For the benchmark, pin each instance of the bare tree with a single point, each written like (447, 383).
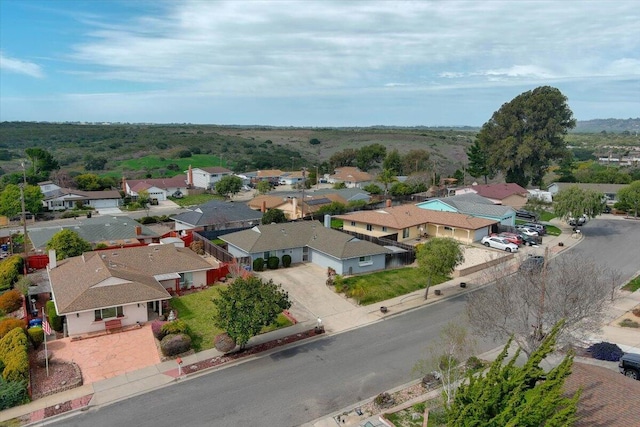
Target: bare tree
(446, 359)
(527, 305)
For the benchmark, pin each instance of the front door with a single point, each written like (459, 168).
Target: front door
(305, 254)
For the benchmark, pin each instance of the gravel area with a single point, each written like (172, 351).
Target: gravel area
(62, 376)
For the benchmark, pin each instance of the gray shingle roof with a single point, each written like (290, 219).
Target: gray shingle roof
(474, 204)
(290, 235)
(217, 212)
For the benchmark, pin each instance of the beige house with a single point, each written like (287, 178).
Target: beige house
(408, 223)
(121, 286)
(293, 206)
(507, 194)
(351, 176)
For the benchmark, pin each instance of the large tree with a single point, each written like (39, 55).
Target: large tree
(575, 202)
(415, 161)
(370, 156)
(514, 396)
(478, 166)
(229, 185)
(438, 257)
(274, 216)
(630, 196)
(42, 162)
(386, 177)
(393, 161)
(67, 243)
(10, 202)
(248, 305)
(526, 306)
(526, 134)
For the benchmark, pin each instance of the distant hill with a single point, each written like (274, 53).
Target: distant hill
(608, 125)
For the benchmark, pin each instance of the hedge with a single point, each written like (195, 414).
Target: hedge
(258, 264)
(10, 270)
(273, 262)
(54, 320)
(175, 327)
(12, 393)
(11, 301)
(13, 353)
(10, 323)
(286, 260)
(36, 336)
(175, 344)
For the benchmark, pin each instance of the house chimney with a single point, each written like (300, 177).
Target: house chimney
(388, 204)
(138, 230)
(190, 176)
(52, 259)
(124, 184)
(263, 208)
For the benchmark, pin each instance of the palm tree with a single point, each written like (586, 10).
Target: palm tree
(386, 177)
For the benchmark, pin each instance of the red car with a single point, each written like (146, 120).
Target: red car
(511, 238)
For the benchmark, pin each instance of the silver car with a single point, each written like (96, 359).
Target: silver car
(499, 243)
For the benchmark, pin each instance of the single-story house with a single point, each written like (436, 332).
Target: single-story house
(217, 215)
(474, 205)
(308, 241)
(158, 188)
(113, 231)
(508, 194)
(544, 196)
(610, 191)
(291, 178)
(57, 198)
(292, 204)
(121, 285)
(206, 177)
(349, 194)
(406, 223)
(351, 176)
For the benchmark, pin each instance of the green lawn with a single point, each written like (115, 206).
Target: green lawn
(151, 163)
(547, 216)
(384, 285)
(633, 285)
(552, 230)
(197, 310)
(195, 199)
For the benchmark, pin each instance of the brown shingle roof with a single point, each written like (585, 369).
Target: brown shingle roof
(351, 174)
(269, 173)
(499, 191)
(403, 216)
(117, 277)
(163, 183)
(608, 398)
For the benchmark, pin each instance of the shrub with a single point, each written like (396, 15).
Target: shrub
(175, 344)
(12, 393)
(224, 343)
(605, 351)
(22, 285)
(628, 323)
(70, 214)
(384, 400)
(13, 353)
(473, 364)
(258, 264)
(10, 301)
(42, 356)
(9, 324)
(273, 262)
(147, 220)
(430, 380)
(10, 270)
(636, 311)
(286, 260)
(197, 247)
(54, 320)
(175, 327)
(156, 329)
(36, 336)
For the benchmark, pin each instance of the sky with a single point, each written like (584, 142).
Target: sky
(313, 63)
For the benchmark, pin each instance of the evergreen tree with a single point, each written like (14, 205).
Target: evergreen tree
(508, 395)
(478, 162)
(393, 161)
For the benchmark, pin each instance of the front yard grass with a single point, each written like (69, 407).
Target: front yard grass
(197, 310)
(633, 285)
(195, 199)
(383, 285)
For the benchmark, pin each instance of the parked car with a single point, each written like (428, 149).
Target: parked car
(526, 230)
(629, 365)
(499, 243)
(541, 229)
(530, 240)
(521, 213)
(510, 237)
(532, 264)
(579, 221)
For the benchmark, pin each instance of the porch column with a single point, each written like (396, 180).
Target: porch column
(159, 307)
(437, 230)
(468, 237)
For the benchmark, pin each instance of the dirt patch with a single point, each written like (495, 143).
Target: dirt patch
(62, 376)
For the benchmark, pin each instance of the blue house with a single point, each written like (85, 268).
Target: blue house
(474, 205)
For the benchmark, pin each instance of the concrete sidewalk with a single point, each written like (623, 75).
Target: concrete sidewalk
(137, 382)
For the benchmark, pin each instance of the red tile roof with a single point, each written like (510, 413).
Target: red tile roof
(163, 183)
(351, 174)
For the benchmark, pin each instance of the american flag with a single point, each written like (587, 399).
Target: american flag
(46, 327)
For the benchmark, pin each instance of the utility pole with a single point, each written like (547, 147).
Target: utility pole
(317, 177)
(539, 331)
(304, 183)
(24, 218)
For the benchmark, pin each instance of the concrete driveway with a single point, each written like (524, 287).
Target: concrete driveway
(310, 296)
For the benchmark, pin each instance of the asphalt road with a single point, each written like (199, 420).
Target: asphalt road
(301, 384)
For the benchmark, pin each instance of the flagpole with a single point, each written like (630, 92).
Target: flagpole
(46, 352)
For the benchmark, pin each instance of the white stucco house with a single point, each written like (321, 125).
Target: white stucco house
(121, 286)
(206, 177)
(57, 198)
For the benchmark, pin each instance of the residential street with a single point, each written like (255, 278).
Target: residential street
(300, 384)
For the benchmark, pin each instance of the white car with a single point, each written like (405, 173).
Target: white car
(499, 243)
(528, 231)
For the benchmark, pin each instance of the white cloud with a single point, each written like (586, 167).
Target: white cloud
(18, 66)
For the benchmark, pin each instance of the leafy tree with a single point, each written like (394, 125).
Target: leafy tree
(229, 185)
(92, 163)
(67, 243)
(415, 161)
(369, 155)
(248, 305)
(314, 141)
(526, 134)
(143, 199)
(345, 157)
(333, 208)
(508, 395)
(10, 201)
(386, 177)
(263, 187)
(274, 216)
(372, 188)
(438, 257)
(575, 201)
(339, 185)
(565, 169)
(88, 182)
(393, 161)
(478, 166)
(400, 189)
(41, 161)
(630, 196)
(458, 175)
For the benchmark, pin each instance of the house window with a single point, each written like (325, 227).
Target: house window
(448, 228)
(353, 223)
(365, 260)
(107, 313)
(405, 233)
(186, 279)
(270, 254)
(384, 228)
(369, 227)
